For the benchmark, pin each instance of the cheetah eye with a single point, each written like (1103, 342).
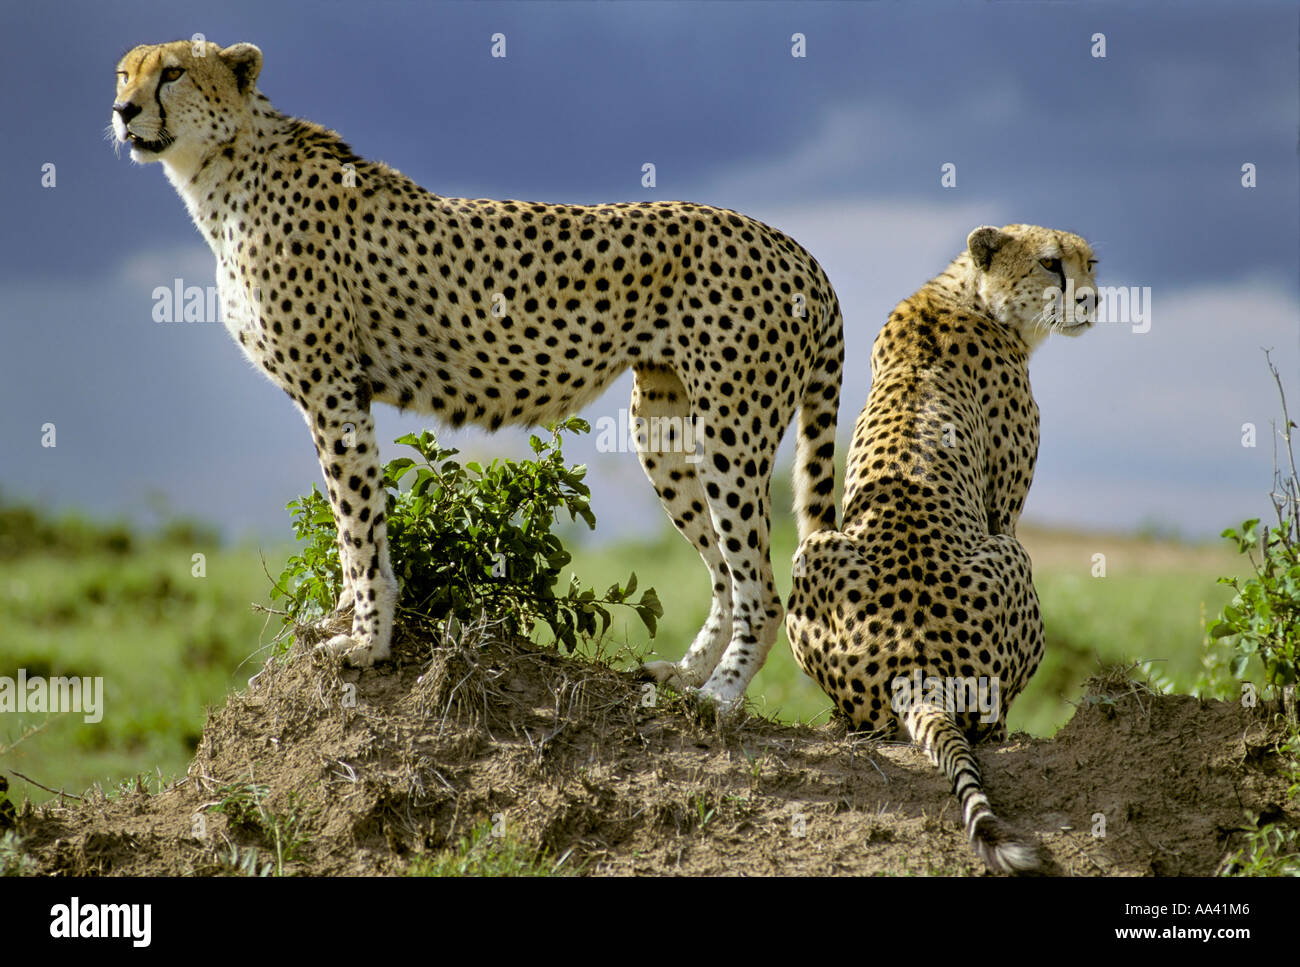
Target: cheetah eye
(170, 74)
(1052, 265)
(1092, 264)
(121, 77)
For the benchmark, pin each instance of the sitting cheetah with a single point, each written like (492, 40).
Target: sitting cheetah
(347, 283)
(923, 604)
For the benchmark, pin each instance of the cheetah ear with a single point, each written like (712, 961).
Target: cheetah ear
(983, 243)
(245, 62)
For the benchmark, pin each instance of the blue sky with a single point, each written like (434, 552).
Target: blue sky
(1141, 152)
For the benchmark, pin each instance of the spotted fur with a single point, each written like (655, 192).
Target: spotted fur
(346, 283)
(926, 574)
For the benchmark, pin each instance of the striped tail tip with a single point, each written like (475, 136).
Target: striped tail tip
(1001, 850)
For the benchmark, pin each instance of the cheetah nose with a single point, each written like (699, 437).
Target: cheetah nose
(127, 111)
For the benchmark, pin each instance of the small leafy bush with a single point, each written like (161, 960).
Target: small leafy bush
(1263, 618)
(468, 541)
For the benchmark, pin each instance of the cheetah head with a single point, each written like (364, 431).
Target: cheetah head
(1034, 280)
(176, 102)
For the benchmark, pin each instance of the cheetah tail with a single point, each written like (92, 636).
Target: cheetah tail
(933, 728)
(814, 468)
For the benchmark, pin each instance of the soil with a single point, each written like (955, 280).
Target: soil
(586, 770)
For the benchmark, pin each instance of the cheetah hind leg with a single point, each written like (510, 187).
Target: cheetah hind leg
(660, 399)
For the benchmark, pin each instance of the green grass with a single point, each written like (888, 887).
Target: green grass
(166, 643)
(13, 861)
(487, 853)
(284, 833)
(1090, 622)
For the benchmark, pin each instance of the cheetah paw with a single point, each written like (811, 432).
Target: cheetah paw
(357, 654)
(668, 673)
(725, 703)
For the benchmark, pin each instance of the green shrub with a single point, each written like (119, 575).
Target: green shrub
(1263, 618)
(469, 541)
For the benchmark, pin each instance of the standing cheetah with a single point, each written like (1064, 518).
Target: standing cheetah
(921, 611)
(347, 283)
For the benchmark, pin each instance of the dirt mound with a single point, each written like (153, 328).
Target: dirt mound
(479, 748)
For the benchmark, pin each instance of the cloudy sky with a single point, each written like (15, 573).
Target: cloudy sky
(1141, 151)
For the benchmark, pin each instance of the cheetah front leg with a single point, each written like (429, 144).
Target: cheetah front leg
(349, 456)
